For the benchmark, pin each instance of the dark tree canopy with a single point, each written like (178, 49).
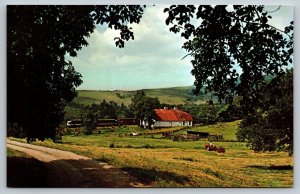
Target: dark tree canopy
(39, 79)
(270, 127)
(230, 37)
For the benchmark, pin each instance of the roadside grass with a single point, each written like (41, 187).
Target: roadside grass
(14, 153)
(162, 162)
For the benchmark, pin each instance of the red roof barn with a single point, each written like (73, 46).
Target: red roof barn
(172, 115)
(171, 118)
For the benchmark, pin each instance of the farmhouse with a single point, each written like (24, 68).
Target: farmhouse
(171, 118)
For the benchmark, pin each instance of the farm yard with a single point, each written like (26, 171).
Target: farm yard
(161, 162)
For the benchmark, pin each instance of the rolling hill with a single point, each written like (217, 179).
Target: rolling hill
(174, 96)
(171, 96)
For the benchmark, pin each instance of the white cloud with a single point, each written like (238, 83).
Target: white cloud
(281, 17)
(152, 59)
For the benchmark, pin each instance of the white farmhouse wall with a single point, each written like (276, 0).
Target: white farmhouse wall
(172, 123)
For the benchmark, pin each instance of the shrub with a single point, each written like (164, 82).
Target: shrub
(129, 146)
(112, 145)
(147, 146)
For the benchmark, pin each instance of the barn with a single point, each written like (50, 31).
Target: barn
(171, 118)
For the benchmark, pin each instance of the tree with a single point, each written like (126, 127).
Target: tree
(40, 82)
(270, 127)
(149, 104)
(240, 36)
(232, 111)
(124, 111)
(91, 114)
(230, 36)
(143, 107)
(137, 104)
(107, 110)
(90, 117)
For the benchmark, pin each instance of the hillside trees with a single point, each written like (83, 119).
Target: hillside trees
(39, 79)
(203, 113)
(231, 37)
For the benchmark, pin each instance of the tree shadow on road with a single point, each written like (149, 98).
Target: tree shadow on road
(25, 172)
(148, 176)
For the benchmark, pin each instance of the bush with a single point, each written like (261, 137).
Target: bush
(112, 145)
(87, 131)
(68, 131)
(129, 146)
(147, 146)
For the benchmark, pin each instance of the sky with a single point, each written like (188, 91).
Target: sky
(152, 60)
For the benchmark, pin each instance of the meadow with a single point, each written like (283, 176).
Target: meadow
(161, 162)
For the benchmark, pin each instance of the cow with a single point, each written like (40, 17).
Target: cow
(209, 147)
(134, 134)
(206, 146)
(221, 150)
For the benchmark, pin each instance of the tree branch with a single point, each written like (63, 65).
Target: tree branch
(270, 25)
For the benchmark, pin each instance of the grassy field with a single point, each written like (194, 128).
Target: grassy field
(161, 162)
(175, 95)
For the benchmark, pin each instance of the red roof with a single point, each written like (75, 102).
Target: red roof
(172, 115)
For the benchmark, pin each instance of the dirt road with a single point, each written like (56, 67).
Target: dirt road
(66, 169)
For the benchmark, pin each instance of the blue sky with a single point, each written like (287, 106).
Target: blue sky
(152, 60)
